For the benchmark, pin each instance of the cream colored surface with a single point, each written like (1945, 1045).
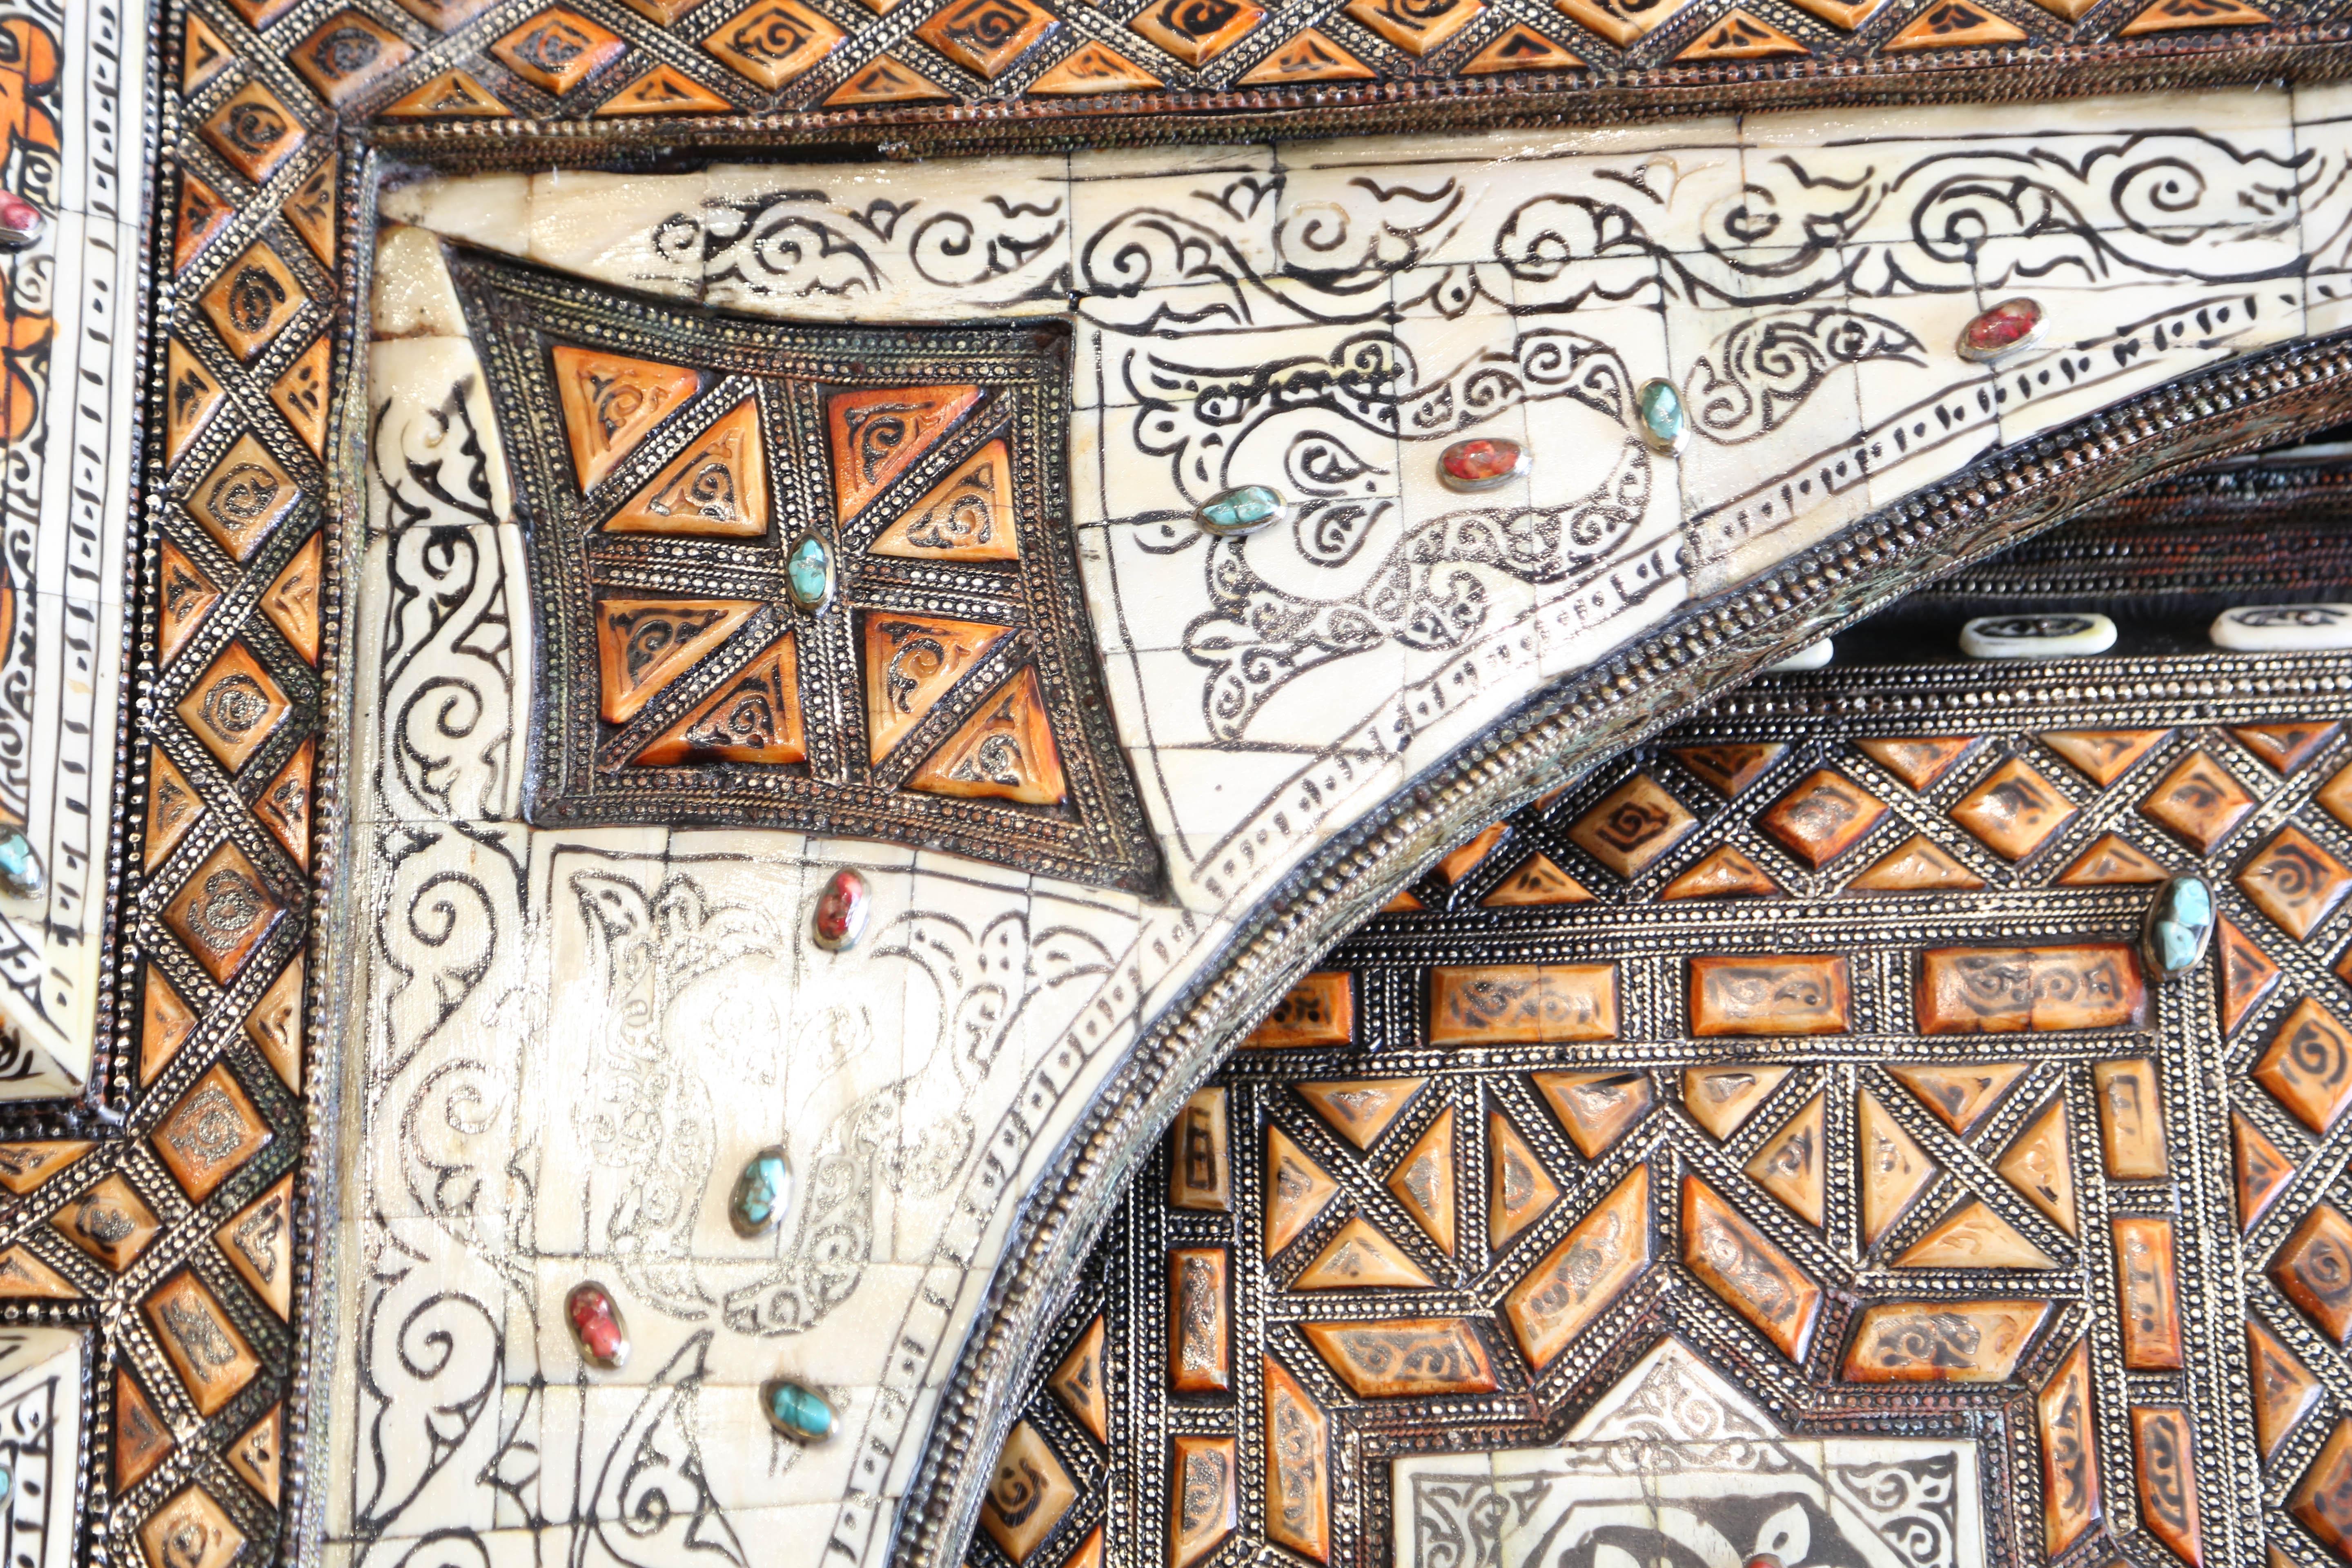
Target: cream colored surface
(569, 1041)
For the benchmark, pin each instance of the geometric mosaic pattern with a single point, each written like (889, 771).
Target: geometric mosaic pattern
(1828, 1056)
(177, 1227)
(662, 458)
(615, 65)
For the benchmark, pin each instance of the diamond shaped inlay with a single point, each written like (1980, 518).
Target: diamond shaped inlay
(986, 35)
(1632, 826)
(224, 912)
(212, 1131)
(251, 303)
(775, 43)
(1196, 31)
(558, 50)
(2199, 801)
(2315, 1269)
(254, 131)
(1822, 817)
(234, 707)
(2309, 1066)
(2295, 881)
(2013, 811)
(243, 497)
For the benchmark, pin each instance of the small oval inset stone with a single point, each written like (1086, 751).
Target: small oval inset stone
(1481, 463)
(1244, 509)
(2179, 924)
(2004, 329)
(841, 911)
(2283, 628)
(800, 1413)
(1812, 656)
(2037, 636)
(596, 1326)
(764, 1190)
(1663, 426)
(20, 868)
(21, 223)
(808, 573)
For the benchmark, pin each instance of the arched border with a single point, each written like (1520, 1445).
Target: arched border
(2250, 403)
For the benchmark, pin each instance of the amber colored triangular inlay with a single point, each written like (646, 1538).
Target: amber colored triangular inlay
(753, 717)
(967, 516)
(1958, 1095)
(1918, 760)
(643, 644)
(1973, 1236)
(312, 210)
(2171, 15)
(275, 1024)
(2247, 975)
(1537, 881)
(452, 95)
(665, 89)
(2039, 1165)
(877, 435)
(1519, 1189)
(2286, 747)
(911, 661)
(22, 1275)
(140, 1438)
(1361, 1109)
(172, 807)
(610, 402)
(202, 215)
(2262, 1168)
(1093, 67)
(1005, 751)
(1742, 36)
(1790, 1165)
(717, 485)
(1308, 57)
(300, 393)
(1296, 1191)
(1078, 1382)
(2283, 1390)
(1358, 1255)
(1720, 1098)
(1730, 768)
(1402, 904)
(166, 1022)
(885, 81)
(1917, 865)
(203, 56)
(1520, 49)
(283, 805)
(1953, 24)
(292, 602)
(2102, 755)
(1728, 873)
(190, 395)
(1423, 1182)
(1596, 1108)
(2111, 861)
(182, 600)
(1464, 859)
(1892, 1172)
(256, 1455)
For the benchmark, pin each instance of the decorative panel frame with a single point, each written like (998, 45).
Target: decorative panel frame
(217, 1077)
(578, 777)
(2187, 1268)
